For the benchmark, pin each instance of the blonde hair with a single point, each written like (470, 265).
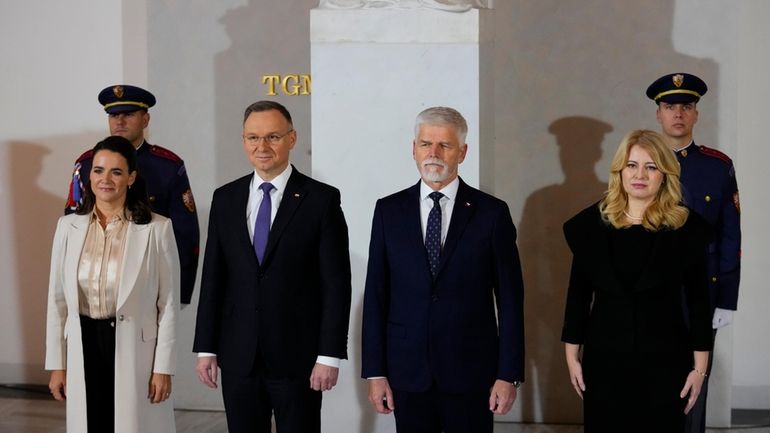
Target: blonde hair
(666, 210)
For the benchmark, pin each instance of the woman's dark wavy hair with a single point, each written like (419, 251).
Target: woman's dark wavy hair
(137, 207)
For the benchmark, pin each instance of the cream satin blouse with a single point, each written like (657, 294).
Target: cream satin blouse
(100, 267)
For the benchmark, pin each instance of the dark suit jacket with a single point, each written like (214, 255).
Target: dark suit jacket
(604, 314)
(296, 305)
(417, 329)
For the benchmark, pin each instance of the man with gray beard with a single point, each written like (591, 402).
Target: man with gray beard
(443, 333)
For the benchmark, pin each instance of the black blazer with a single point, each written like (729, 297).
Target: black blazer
(295, 306)
(463, 329)
(604, 314)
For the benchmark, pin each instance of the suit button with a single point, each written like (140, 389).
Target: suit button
(713, 279)
(435, 298)
(120, 318)
(708, 198)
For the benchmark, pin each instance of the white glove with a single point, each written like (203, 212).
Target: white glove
(722, 318)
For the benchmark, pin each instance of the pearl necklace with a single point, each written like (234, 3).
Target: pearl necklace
(633, 218)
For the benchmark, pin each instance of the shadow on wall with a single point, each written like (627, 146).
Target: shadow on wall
(34, 212)
(267, 38)
(546, 261)
(576, 73)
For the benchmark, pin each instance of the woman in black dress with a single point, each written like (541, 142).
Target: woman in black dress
(637, 301)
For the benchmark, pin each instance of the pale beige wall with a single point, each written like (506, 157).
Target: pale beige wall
(751, 380)
(55, 57)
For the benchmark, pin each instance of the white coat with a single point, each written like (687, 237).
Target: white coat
(145, 334)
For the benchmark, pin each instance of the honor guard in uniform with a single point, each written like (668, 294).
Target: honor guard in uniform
(710, 189)
(163, 171)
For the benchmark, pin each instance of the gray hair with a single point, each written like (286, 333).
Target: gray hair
(442, 116)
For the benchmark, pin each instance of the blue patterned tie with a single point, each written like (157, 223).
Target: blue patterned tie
(433, 233)
(262, 226)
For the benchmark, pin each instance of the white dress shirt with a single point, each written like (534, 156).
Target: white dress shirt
(256, 195)
(447, 204)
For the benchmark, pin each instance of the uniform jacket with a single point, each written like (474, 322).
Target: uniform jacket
(145, 335)
(710, 189)
(605, 315)
(293, 307)
(417, 329)
(170, 195)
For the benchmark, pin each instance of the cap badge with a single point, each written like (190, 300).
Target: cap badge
(678, 79)
(118, 91)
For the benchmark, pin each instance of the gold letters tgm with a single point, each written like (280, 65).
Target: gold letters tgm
(290, 84)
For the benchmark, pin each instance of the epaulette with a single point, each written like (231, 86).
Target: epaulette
(164, 153)
(88, 154)
(715, 154)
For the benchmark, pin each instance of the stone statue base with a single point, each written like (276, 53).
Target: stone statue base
(446, 5)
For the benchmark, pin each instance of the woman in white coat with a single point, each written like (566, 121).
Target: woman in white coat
(112, 303)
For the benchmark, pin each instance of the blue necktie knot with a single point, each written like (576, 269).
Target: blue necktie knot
(266, 187)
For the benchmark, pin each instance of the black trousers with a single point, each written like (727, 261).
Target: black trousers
(436, 411)
(696, 419)
(250, 402)
(99, 365)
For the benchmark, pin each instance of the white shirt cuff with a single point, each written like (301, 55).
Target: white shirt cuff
(329, 361)
(325, 360)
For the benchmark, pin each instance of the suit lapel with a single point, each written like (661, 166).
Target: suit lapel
(462, 212)
(76, 240)
(137, 241)
(292, 197)
(413, 227)
(237, 215)
(603, 270)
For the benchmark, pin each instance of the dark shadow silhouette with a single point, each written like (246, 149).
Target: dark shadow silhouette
(546, 262)
(34, 213)
(267, 38)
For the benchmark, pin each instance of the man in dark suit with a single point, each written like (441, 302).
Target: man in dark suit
(443, 335)
(710, 189)
(275, 291)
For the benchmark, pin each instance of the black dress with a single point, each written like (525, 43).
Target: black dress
(638, 304)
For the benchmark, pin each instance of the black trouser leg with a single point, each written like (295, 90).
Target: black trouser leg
(99, 365)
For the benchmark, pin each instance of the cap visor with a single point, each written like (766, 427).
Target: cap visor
(115, 109)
